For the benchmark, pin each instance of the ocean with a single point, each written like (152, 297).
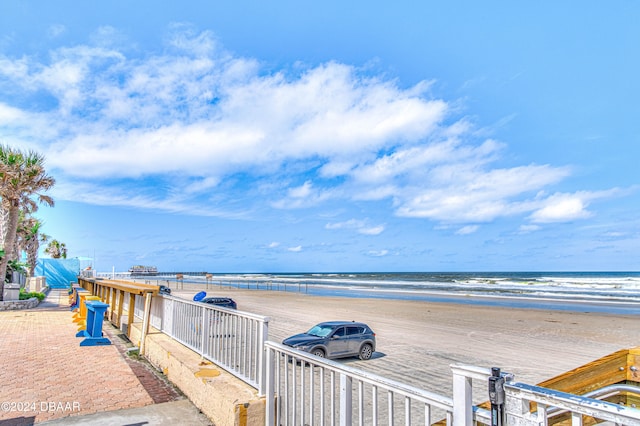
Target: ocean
(612, 292)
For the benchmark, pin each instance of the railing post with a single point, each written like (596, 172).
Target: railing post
(145, 321)
(167, 321)
(346, 395)
(205, 330)
(269, 413)
(262, 338)
(462, 398)
(120, 307)
(131, 311)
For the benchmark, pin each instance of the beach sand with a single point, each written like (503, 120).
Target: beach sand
(418, 341)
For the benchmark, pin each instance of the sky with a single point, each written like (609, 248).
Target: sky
(333, 136)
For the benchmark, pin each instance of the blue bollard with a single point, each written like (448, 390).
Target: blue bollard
(93, 333)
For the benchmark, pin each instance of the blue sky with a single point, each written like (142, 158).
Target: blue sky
(325, 136)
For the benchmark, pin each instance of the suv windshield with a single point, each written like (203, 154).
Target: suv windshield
(320, 331)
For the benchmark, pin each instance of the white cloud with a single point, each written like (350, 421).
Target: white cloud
(374, 230)
(349, 224)
(212, 107)
(361, 226)
(10, 115)
(302, 196)
(295, 249)
(201, 121)
(302, 191)
(89, 193)
(273, 244)
(465, 230)
(525, 229)
(378, 253)
(565, 207)
(561, 208)
(202, 185)
(469, 194)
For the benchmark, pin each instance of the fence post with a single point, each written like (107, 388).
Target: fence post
(145, 320)
(262, 338)
(346, 395)
(205, 330)
(167, 316)
(462, 398)
(270, 387)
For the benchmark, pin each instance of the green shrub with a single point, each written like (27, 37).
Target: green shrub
(24, 295)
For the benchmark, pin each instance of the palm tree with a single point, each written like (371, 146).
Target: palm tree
(56, 249)
(4, 219)
(22, 234)
(30, 237)
(22, 176)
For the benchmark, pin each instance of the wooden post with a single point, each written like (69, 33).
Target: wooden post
(208, 278)
(145, 321)
(120, 303)
(113, 303)
(132, 307)
(180, 277)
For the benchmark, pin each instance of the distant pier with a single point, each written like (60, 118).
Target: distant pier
(168, 274)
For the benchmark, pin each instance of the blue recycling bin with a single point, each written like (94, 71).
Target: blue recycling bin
(93, 333)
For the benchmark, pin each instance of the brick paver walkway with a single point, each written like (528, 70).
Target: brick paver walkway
(46, 375)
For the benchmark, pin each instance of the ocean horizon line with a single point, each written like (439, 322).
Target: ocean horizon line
(501, 272)
(613, 292)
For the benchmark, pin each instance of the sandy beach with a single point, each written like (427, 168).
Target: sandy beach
(418, 341)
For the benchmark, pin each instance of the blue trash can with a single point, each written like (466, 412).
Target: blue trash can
(93, 333)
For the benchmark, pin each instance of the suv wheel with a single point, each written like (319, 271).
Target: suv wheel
(318, 352)
(366, 351)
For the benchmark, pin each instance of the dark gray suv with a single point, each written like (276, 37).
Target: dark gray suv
(336, 339)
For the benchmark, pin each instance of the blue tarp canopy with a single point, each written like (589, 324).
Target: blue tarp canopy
(60, 273)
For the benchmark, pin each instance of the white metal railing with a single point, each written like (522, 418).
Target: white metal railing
(88, 273)
(231, 339)
(551, 403)
(304, 389)
(138, 308)
(156, 317)
(464, 412)
(520, 400)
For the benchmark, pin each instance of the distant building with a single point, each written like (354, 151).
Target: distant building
(143, 270)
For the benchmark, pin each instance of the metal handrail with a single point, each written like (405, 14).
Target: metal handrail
(601, 393)
(215, 307)
(231, 339)
(347, 375)
(576, 404)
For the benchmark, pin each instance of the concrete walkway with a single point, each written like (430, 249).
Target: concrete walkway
(47, 378)
(169, 413)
